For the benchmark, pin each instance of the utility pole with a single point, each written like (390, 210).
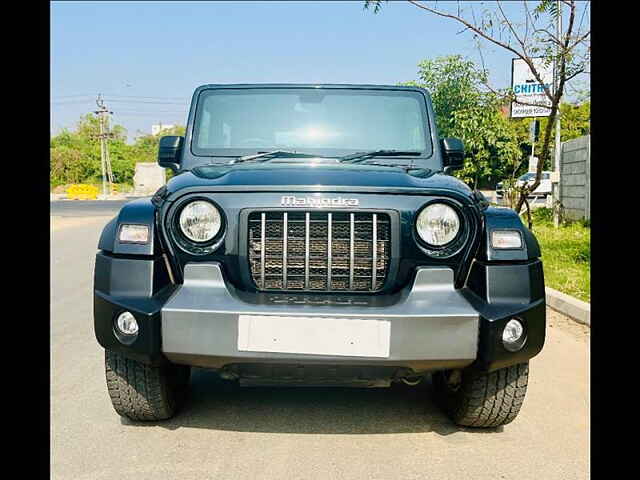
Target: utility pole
(534, 130)
(558, 145)
(105, 162)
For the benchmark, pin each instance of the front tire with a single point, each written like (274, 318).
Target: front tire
(144, 392)
(476, 399)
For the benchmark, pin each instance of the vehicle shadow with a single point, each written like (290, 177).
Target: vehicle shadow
(218, 405)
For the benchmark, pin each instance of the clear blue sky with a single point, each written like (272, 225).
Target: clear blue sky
(166, 49)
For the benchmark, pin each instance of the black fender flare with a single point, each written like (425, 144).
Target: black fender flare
(137, 212)
(507, 219)
(131, 277)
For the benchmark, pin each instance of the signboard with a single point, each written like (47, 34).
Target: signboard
(533, 164)
(527, 89)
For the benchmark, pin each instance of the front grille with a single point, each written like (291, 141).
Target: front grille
(319, 251)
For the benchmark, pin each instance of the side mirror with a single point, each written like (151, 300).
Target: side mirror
(169, 152)
(453, 153)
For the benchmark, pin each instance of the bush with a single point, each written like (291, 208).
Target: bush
(542, 214)
(566, 254)
(75, 155)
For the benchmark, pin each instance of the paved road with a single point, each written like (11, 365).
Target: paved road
(86, 208)
(320, 433)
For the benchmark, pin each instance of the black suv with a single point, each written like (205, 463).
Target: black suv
(312, 235)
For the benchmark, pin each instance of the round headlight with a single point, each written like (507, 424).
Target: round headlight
(438, 224)
(200, 221)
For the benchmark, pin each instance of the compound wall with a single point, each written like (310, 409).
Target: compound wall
(575, 188)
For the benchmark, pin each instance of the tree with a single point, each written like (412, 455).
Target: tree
(146, 145)
(466, 111)
(530, 35)
(75, 155)
(575, 120)
(453, 83)
(145, 148)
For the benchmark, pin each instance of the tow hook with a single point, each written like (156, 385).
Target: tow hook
(227, 374)
(454, 380)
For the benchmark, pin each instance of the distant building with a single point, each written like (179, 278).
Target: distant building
(156, 129)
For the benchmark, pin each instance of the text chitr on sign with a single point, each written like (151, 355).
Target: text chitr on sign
(528, 89)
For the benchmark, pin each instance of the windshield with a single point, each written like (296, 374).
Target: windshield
(527, 176)
(328, 122)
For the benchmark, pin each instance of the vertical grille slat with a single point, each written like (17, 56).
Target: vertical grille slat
(374, 261)
(319, 251)
(351, 249)
(306, 250)
(262, 247)
(285, 229)
(329, 252)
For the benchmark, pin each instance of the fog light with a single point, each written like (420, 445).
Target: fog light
(513, 335)
(126, 324)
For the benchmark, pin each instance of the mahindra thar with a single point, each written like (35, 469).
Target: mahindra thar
(314, 235)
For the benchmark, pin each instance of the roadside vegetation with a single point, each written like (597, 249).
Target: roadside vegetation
(497, 147)
(75, 154)
(566, 254)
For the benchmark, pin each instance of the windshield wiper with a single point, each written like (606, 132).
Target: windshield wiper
(362, 156)
(264, 156)
(406, 168)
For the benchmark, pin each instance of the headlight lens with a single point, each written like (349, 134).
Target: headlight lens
(200, 221)
(438, 224)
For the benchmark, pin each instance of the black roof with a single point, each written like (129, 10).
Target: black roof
(309, 85)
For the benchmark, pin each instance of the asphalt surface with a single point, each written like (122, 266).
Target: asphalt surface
(86, 208)
(289, 433)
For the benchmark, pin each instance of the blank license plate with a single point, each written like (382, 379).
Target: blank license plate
(314, 335)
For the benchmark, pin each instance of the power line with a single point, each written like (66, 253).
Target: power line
(145, 112)
(151, 114)
(157, 98)
(159, 108)
(146, 102)
(74, 102)
(73, 96)
(69, 102)
(60, 97)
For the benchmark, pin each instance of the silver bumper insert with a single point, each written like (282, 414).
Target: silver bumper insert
(429, 320)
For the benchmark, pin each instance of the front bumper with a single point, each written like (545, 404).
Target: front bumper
(433, 326)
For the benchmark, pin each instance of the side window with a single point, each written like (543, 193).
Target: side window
(545, 176)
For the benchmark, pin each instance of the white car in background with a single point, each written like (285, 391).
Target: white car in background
(543, 189)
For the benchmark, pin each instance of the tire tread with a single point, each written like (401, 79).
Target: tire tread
(488, 399)
(141, 392)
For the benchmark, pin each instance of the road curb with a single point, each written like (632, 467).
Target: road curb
(571, 307)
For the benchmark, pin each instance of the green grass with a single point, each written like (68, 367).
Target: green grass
(566, 254)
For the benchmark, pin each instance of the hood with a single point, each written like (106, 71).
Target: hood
(290, 177)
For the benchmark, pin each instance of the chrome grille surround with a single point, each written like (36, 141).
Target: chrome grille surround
(320, 251)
